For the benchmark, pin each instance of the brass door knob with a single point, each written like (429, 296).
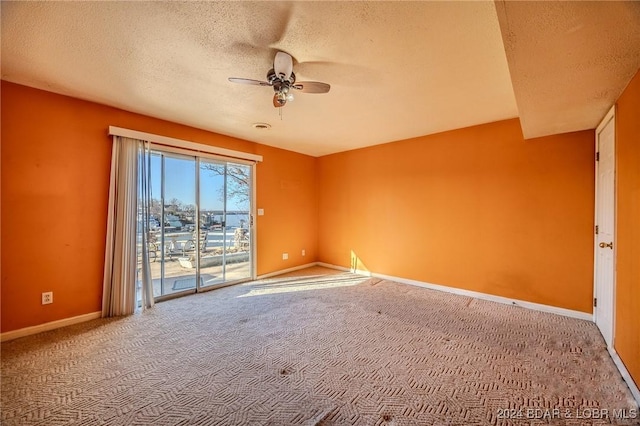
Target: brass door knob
(604, 245)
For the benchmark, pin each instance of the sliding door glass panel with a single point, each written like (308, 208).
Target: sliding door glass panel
(156, 254)
(180, 237)
(225, 206)
(238, 240)
(212, 208)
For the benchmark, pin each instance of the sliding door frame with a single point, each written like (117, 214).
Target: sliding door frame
(197, 156)
(196, 149)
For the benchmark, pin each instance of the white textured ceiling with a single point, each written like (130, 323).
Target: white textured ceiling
(569, 61)
(397, 69)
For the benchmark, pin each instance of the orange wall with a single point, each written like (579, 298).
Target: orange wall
(476, 208)
(627, 335)
(55, 178)
(289, 224)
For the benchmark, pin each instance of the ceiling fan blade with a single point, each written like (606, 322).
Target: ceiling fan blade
(266, 26)
(283, 65)
(311, 87)
(248, 81)
(277, 102)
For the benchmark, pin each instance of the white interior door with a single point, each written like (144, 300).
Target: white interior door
(605, 228)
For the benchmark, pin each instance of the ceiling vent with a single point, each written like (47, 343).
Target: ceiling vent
(261, 126)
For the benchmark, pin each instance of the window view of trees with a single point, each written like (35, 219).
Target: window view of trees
(237, 183)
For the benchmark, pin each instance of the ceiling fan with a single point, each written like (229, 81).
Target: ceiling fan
(283, 80)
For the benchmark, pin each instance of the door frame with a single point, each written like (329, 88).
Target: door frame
(609, 116)
(197, 155)
(253, 267)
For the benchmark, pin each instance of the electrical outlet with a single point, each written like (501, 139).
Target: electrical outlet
(47, 297)
(304, 253)
(285, 256)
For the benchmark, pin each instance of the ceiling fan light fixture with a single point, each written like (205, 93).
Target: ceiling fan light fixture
(283, 81)
(261, 126)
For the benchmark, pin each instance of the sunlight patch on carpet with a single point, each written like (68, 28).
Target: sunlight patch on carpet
(303, 285)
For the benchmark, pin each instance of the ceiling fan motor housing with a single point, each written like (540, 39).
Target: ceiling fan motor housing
(273, 79)
(281, 86)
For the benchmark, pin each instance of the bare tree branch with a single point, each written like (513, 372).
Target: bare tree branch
(238, 180)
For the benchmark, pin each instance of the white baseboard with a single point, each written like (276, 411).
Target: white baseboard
(27, 331)
(468, 293)
(284, 271)
(330, 266)
(625, 374)
(491, 297)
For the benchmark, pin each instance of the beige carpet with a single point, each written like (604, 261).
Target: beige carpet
(316, 350)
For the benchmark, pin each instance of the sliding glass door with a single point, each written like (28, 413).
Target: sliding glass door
(239, 222)
(200, 223)
(225, 211)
